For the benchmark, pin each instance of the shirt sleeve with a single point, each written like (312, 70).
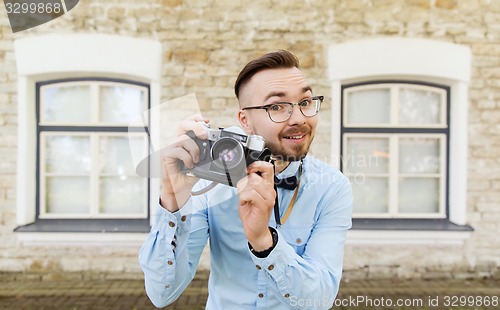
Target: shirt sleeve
(170, 255)
(314, 276)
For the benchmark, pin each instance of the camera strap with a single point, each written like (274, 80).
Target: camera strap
(204, 190)
(228, 176)
(213, 184)
(282, 220)
(276, 202)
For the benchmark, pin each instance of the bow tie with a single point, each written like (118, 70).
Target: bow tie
(289, 183)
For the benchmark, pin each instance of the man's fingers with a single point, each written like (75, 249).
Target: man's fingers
(251, 196)
(253, 183)
(264, 169)
(242, 184)
(179, 153)
(192, 124)
(189, 145)
(198, 118)
(186, 143)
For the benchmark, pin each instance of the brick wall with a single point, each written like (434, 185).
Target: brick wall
(205, 44)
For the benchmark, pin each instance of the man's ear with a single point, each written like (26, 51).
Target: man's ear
(245, 122)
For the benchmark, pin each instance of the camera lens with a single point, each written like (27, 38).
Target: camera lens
(227, 153)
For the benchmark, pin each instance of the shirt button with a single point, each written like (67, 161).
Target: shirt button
(258, 267)
(299, 241)
(167, 286)
(183, 218)
(271, 267)
(287, 295)
(170, 262)
(171, 224)
(261, 295)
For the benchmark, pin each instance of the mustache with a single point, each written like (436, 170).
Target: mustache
(296, 130)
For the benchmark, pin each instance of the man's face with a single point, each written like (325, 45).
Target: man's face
(290, 139)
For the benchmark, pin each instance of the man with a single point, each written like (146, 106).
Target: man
(259, 260)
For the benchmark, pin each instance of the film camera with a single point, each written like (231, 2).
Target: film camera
(225, 154)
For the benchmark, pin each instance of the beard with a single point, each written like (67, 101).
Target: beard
(290, 153)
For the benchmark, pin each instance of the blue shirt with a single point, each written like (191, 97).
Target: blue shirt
(303, 271)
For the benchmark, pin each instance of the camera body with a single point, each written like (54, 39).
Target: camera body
(225, 154)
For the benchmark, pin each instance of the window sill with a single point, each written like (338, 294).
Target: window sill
(112, 233)
(87, 226)
(408, 224)
(407, 232)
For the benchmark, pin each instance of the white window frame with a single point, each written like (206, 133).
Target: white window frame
(94, 85)
(397, 58)
(393, 88)
(94, 138)
(62, 56)
(394, 174)
(394, 94)
(93, 175)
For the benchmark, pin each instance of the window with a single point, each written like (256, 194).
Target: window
(403, 104)
(75, 101)
(85, 167)
(394, 149)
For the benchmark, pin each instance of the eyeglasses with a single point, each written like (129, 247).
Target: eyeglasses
(281, 111)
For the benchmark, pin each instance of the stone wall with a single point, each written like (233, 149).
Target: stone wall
(206, 42)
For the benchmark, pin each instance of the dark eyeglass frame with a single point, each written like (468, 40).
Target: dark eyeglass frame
(268, 106)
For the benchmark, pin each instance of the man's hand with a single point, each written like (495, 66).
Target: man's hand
(176, 186)
(256, 202)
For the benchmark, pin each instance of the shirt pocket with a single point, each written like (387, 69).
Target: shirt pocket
(297, 237)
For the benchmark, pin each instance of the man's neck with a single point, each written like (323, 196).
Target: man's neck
(280, 165)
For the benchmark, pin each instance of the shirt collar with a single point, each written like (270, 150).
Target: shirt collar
(290, 170)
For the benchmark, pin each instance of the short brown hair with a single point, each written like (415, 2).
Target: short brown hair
(274, 60)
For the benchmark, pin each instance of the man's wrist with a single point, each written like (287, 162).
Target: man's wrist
(169, 204)
(265, 250)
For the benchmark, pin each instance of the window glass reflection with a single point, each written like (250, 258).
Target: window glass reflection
(120, 104)
(67, 195)
(122, 195)
(419, 107)
(367, 155)
(418, 195)
(419, 155)
(67, 154)
(371, 106)
(66, 104)
(371, 195)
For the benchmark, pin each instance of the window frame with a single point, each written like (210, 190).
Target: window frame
(62, 56)
(392, 176)
(104, 222)
(93, 175)
(394, 130)
(394, 88)
(412, 59)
